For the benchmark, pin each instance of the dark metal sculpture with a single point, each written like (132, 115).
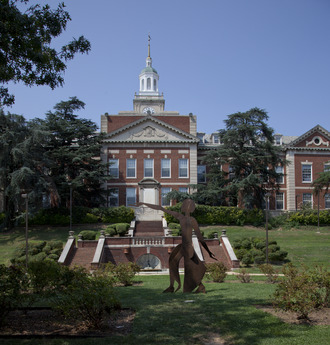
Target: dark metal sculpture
(194, 268)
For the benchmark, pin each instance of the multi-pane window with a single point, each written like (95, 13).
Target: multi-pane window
(166, 167)
(183, 190)
(114, 167)
(131, 167)
(327, 200)
(307, 173)
(326, 167)
(165, 200)
(280, 201)
(183, 167)
(148, 167)
(130, 196)
(307, 199)
(279, 170)
(201, 173)
(113, 197)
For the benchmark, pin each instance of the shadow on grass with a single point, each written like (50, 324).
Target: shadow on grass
(190, 318)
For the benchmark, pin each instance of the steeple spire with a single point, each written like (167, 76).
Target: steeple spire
(149, 59)
(149, 38)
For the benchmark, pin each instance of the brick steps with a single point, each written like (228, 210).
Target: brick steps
(148, 228)
(83, 257)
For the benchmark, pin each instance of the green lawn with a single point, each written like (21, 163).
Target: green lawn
(307, 245)
(11, 239)
(226, 311)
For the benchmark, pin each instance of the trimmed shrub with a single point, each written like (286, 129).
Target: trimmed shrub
(121, 214)
(88, 235)
(38, 251)
(253, 250)
(111, 230)
(122, 228)
(220, 215)
(216, 271)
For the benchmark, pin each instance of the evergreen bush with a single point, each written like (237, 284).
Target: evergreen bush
(216, 271)
(220, 215)
(253, 250)
(88, 235)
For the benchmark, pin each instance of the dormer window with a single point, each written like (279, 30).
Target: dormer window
(278, 139)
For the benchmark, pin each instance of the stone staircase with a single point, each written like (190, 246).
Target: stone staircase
(82, 257)
(148, 229)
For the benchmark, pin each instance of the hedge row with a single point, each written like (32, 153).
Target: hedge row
(83, 215)
(221, 215)
(310, 217)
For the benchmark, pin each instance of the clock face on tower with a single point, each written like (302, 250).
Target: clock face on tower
(148, 110)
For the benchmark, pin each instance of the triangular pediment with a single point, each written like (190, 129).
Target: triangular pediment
(150, 129)
(315, 138)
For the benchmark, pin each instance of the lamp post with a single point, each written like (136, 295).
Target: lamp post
(25, 196)
(267, 195)
(70, 185)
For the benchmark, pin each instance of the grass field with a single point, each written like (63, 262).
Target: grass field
(226, 312)
(307, 245)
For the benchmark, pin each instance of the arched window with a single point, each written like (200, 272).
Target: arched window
(142, 84)
(148, 84)
(155, 85)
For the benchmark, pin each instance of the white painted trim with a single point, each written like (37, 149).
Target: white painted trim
(66, 250)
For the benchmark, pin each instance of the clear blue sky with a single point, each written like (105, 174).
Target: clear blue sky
(214, 58)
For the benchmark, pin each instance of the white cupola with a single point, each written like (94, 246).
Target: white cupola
(149, 77)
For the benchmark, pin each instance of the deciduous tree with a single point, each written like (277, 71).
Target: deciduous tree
(26, 51)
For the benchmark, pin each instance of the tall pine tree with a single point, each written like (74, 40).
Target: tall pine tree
(73, 147)
(23, 164)
(243, 168)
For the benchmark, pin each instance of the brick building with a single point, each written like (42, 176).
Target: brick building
(153, 151)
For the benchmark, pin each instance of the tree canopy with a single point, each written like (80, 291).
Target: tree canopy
(23, 163)
(73, 148)
(26, 53)
(322, 182)
(243, 167)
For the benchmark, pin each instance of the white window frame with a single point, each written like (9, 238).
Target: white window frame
(310, 200)
(185, 168)
(327, 200)
(279, 198)
(280, 170)
(130, 168)
(114, 166)
(303, 172)
(164, 192)
(115, 197)
(147, 167)
(129, 195)
(184, 190)
(199, 174)
(326, 167)
(165, 168)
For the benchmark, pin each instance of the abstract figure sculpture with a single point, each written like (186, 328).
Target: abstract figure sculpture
(194, 268)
